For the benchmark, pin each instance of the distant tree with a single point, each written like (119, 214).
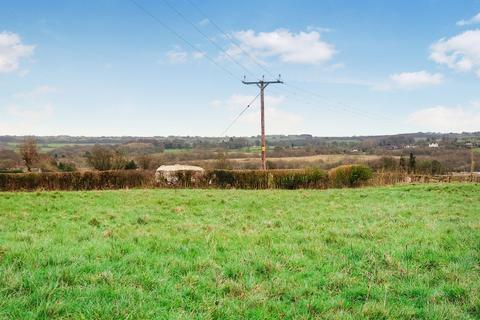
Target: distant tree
(119, 161)
(433, 167)
(9, 159)
(388, 163)
(131, 165)
(222, 161)
(412, 163)
(46, 163)
(100, 158)
(29, 152)
(144, 162)
(402, 163)
(437, 167)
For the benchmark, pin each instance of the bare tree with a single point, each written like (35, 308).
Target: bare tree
(100, 158)
(119, 160)
(144, 162)
(29, 152)
(222, 161)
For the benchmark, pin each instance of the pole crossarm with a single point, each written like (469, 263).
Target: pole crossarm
(265, 83)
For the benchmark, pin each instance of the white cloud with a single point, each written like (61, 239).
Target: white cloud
(238, 101)
(29, 112)
(446, 119)
(278, 121)
(410, 80)
(290, 47)
(461, 52)
(11, 51)
(336, 66)
(178, 56)
(204, 22)
(24, 119)
(216, 103)
(473, 20)
(198, 54)
(36, 92)
(319, 29)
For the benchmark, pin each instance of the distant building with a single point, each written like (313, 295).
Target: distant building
(433, 145)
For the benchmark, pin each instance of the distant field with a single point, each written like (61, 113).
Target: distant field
(408, 252)
(331, 158)
(47, 147)
(324, 158)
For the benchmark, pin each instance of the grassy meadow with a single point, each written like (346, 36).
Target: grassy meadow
(406, 252)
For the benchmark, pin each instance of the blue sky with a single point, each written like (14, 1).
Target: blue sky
(350, 67)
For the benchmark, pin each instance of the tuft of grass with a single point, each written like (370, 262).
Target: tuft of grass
(405, 252)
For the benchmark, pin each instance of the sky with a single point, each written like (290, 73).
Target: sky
(175, 67)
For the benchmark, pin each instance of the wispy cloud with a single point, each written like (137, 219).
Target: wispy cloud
(179, 56)
(198, 54)
(12, 50)
(475, 19)
(24, 119)
(203, 22)
(36, 92)
(28, 111)
(409, 81)
(176, 55)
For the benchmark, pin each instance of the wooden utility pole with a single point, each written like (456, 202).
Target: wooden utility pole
(262, 84)
(472, 158)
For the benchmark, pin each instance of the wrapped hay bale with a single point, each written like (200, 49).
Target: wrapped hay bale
(179, 175)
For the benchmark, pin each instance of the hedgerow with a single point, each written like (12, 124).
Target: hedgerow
(340, 177)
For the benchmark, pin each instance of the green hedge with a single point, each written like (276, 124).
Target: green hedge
(269, 179)
(350, 176)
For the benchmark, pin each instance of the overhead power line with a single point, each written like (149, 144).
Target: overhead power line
(179, 36)
(305, 101)
(340, 104)
(298, 92)
(240, 114)
(209, 39)
(230, 38)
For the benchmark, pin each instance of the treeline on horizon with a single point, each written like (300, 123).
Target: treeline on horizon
(387, 153)
(189, 142)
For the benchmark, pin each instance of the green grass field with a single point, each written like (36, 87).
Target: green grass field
(408, 252)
